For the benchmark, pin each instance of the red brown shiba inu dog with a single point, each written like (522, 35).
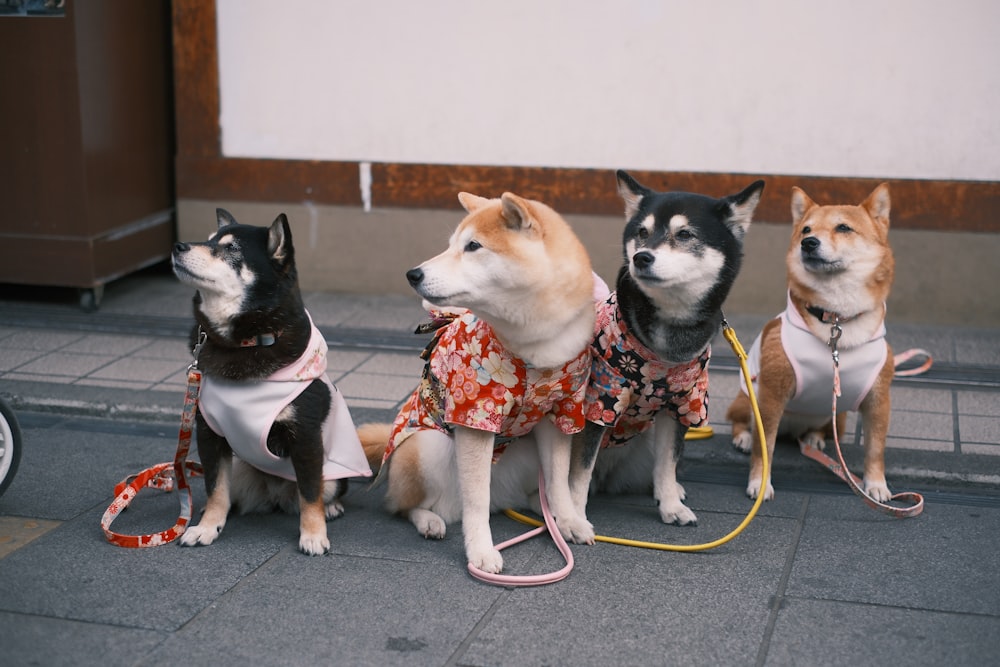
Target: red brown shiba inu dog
(515, 362)
(840, 270)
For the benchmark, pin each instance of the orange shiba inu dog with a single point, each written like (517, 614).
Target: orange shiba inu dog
(515, 360)
(840, 270)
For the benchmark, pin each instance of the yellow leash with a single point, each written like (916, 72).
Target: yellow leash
(699, 433)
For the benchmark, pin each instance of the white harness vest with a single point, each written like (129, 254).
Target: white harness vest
(812, 362)
(243, 413)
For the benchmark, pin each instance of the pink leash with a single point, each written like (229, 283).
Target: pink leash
(533, 579)
(839, 467)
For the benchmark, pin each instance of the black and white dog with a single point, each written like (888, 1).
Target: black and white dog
(651, 349)
(265, 393)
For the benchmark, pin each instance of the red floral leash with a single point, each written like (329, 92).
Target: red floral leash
(163, 475)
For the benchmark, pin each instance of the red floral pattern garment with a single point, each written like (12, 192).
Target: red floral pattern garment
(629, 385)
(470, 379)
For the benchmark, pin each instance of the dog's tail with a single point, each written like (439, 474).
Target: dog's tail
(374, 439)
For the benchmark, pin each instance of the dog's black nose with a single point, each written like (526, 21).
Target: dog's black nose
(810, 244)
(643, 259)
(181, 247)
(415, 276)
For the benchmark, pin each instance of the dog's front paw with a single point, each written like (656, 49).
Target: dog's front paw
(576, 530)
(314, 544)
(486, 560)
(878, 489)
(743, 442)
(753, 490)
(428, 524)
(677, 513)
(200, 535)
(334, 510)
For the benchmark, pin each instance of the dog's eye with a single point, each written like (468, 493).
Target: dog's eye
(806, 231)
(472, 246)
(684, 235)
(843, 229)
(642, 233)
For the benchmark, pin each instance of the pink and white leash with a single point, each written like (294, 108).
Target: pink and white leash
(534, 579)
(839, 467)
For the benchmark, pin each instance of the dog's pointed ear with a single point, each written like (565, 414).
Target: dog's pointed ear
(877, 204)
(224, 218)
(801, 203)
(279, 240)
(470, 202)
(515, 211)
(631, 192)
(741, 207)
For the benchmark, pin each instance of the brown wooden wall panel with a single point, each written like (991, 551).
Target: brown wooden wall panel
(204, 173)
(268, 180)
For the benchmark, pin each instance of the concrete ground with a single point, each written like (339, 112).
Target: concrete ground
(817, 578)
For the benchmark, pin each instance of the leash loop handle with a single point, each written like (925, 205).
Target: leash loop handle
(538, 579)
(163, 476)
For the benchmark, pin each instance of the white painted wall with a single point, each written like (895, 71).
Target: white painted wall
(879, 88)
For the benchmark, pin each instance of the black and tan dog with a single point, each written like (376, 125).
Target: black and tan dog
(265, 393)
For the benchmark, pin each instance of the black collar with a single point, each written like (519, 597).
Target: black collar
(828, 316)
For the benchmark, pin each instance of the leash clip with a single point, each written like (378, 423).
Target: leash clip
(835, 333)
(196, 350)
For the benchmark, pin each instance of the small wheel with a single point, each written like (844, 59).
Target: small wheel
(10, 445)
(90, 299)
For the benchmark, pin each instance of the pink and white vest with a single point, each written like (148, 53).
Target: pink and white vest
(243, 413)
(812, 362)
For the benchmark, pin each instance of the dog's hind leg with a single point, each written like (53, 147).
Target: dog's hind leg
(554, 453)
(740, 415)
(217, 462)
(422, 482)
(669, 435)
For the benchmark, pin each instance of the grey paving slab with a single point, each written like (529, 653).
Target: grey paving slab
(821, 633)
(639, 607)
(340, 362)
(982, 403)
(88, 579)
(979, 429)
(137, 369)
(944, 560)
(389, 388)
(337, 610)
(67, 364)
(13, 358)
(395, 312)
(169, 349)
(404, 365)
(921, 399)
(107, 344)
(33, 339)
(73, 473)
(33, 640)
